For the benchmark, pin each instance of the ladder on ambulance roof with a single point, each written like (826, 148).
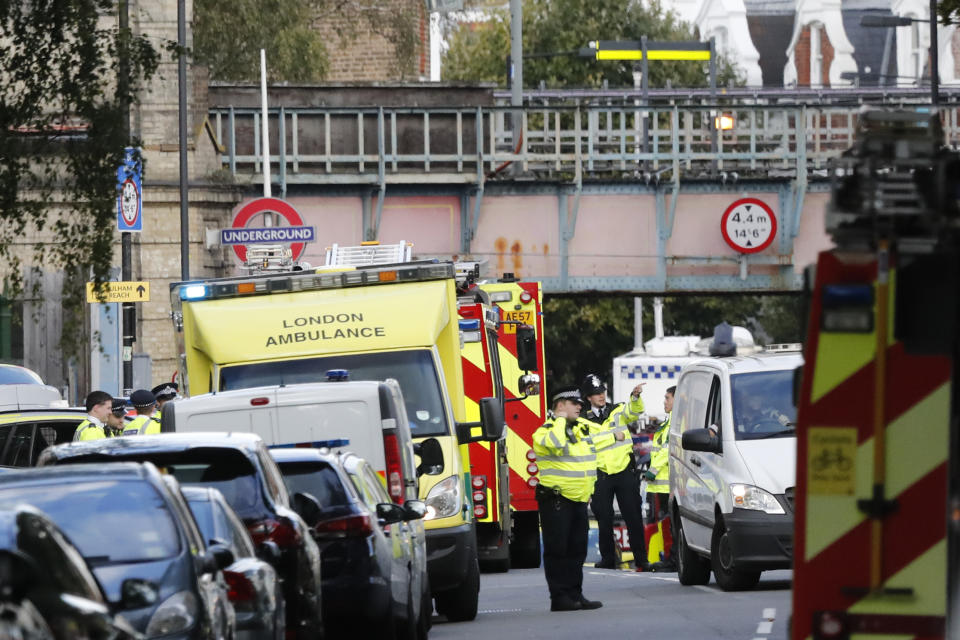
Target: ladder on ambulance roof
(368, 253)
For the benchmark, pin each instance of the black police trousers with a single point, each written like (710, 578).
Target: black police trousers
(625, 487)
(564, 526)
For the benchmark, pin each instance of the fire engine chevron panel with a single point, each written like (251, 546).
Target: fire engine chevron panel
(489, 474)
(525, 410)
(876, 502)
(375, 321)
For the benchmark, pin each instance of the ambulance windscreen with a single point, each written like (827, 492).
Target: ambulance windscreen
(415, 370)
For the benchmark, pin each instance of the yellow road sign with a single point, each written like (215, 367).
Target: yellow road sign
(120, 292)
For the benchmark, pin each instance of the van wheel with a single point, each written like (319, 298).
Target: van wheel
(460, 604)
(721, 559)
(691, 568)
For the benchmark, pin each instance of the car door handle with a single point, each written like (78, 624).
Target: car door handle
(695, 460)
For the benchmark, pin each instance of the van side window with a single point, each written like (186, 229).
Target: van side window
(692, 396)
(714, 410)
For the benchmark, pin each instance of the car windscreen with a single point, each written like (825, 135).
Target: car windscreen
(110, 521)
(763, 404)
(228, 470)
(318, 479)
(202, 511)
(414, 370)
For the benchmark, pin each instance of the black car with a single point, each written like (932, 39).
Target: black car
(255, 589)
(46, 589)
(239, 465)
(140, 540)
(373, 551)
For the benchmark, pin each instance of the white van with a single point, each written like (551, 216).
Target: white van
(733, 468)
(367, 418)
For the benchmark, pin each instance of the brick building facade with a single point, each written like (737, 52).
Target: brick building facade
(394, 44)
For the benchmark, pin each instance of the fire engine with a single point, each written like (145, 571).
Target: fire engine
(521, 346)
(876, 506)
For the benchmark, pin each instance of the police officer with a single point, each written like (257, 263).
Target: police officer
(616, 473)
(658, 475)
(164, 393)
(98, 404)
(566, 455)
(146, 422)
(114, 420)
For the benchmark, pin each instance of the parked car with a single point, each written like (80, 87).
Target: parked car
(733, 468)
(239, 465)
(255, 590)
(138, 537)
(45, 586)
(373, 550)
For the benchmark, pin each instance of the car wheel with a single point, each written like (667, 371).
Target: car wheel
(721, 560)
(460, 603)
(691, 567)
(424, 621)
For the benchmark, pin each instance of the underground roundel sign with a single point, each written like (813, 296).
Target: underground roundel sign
(748, 225)
(241, 234)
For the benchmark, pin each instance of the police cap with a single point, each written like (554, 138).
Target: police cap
(569, 392)
(119, 406)
(142, 398)
(592, 384)
(166, 391)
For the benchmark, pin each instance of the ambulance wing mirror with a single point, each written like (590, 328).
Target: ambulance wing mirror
(526, 348)
(431, 457)
(490, 427)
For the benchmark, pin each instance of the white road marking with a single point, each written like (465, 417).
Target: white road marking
(765, 627)
(666, 579)
(770, 614)
(500, 610)
(707, 589)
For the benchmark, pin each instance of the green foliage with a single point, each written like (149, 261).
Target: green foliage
(585, 333)
(478, 50)
(228, 36)
(62, 137)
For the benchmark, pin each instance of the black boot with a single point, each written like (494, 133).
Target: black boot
(565, 604)
(605, 564)
(589, 604)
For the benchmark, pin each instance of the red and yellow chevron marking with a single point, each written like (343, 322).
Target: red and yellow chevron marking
(523, 416)
(869, 413)
(478, 382)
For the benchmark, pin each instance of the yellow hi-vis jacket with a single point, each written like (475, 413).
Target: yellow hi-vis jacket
(660, 460)
(142, 426)
(568, 457)
(89, 430)
(616, 457)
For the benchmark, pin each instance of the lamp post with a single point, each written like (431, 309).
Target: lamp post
(903, 21)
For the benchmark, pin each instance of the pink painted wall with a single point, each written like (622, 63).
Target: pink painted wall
(616, 235)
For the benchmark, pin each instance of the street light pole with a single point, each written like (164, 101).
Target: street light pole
(184, 185)
(934, 57)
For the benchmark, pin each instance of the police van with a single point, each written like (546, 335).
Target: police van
(733, 466)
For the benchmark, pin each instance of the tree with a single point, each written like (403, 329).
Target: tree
(62, 137)
(586, 332)
(286, 29)
(553, 32)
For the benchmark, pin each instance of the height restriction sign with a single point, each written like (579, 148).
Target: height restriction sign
(748, 225)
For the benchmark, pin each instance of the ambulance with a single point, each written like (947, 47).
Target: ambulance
(376, 321)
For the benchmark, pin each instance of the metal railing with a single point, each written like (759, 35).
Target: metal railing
(380, 146)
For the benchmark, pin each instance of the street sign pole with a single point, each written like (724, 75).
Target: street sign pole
(128, 310)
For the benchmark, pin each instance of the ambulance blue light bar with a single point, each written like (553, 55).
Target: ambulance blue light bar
(338, 375)
(193, 292)
(469, 325)
(847, 295)
(291, 282)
